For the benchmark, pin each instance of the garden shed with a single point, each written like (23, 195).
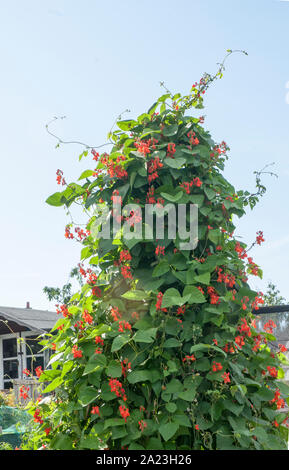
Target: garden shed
(19, 347)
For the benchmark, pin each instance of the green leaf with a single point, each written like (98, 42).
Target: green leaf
(240, 387)
(172, 343)
(233, 407)
(262, 436)
(55, 200)
(171, 130)
(189, 393)
(216, 410)
(172, 367)
(154, 444)
(175, 162)
(126, 124)
(172, 326)
(83, 154)
(171, 407)
(119, 342)
(281, 373)
(190, 275)
(135, 295)
(89, 442)
(197, 199)
(210, 193)
(50, 374)
(145, 336)
(182, 420)
(214, 235)
(86, 174)
(202, 347)
(146, 281)
(264, 394)
(172, 297)
(118, 432)
(96, 362)
(161, 268)
(104, 247)
(203, 364)
(181, 275)
(224, 442)
(284, 388)
(168, 430)
(203, 278)
(179, 261)
(114, 369)
(62, 441)
(87, 395)
(144, 323)
(86, 252)
(134, 446)
(143, 375)
(174, 386)
(195, 296)
(53, 385)
(88, 348)
(112, 422)
(172, 197)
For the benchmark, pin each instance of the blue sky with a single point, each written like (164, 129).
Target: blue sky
(89, 61)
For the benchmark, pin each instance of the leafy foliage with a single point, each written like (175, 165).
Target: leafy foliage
(272, 296)
(158, 349)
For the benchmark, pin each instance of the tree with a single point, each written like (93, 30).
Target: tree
(63, 294)
(158, 350)
(272, 296)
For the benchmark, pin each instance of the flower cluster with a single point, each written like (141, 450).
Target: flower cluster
(114, 168)
(214, 297)
(192, 138)
(144, 146)
(216, 366)
(124, 412)
(226, 278)
(226, 377)
(189, 358)
(159, 302)
(269, 325)
(125, 367)
(87, 317)
(23, 392)
(59, 178)
(150, 197)
(76, 352)
(171, 150)
(187, 185)
(117, 388)
(62, 309)
(38, 371)
(259, 238)
(142, 425)
(160, 250)
(37, 416)
(124, 325)
(280, 402)
(153, 166)
(95, 410)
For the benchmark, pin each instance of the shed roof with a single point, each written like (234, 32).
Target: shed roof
(37, 320)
